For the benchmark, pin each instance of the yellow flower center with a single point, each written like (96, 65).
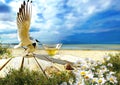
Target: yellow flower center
(111, 79)
(98, 71)
(83, 73)
(86, 77)
(93, 81)
(100, 81)
(79, 83)
(58, 73)
(83, 67)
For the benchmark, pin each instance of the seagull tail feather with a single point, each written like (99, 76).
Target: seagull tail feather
(17, 46)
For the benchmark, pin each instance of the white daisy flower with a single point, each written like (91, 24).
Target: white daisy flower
(109, 64)
(104, 69)
(99, 63)
(94, 80)
(112, 73)
(112, 79)
(106, 58)
(63, 83)
(101, 81)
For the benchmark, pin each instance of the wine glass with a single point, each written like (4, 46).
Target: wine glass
(52, 49)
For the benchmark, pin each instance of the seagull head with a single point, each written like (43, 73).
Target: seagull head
(34, 45)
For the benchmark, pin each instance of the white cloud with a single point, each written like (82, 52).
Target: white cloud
(3, 1)
(9, 38)
(15, 5)
(51, 26)
(7, 27)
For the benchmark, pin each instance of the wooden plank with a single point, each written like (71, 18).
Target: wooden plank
(5, 64)
(41, 67)
(3, 61)
(14, 63)
(30, 63)
(22, 64)
(54, 59)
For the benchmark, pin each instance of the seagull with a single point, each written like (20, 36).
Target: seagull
(23, 24)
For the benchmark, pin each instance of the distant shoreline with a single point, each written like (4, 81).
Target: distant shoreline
(80, 46)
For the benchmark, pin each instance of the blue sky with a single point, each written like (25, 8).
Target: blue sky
(65, 21)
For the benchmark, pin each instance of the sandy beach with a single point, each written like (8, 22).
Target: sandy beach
(94, 54)
(59, 60)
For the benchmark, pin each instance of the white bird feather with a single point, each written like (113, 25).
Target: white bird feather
(23, 24)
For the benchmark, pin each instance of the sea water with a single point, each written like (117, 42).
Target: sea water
(91, 46)
(84, 46)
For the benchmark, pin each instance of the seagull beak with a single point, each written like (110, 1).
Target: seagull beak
(38, 42)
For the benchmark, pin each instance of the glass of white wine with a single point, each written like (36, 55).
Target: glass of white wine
(52, 49)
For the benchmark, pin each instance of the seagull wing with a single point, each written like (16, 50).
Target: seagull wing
(23, 23)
